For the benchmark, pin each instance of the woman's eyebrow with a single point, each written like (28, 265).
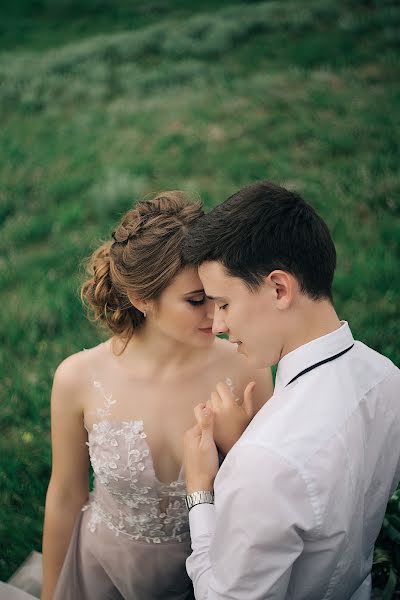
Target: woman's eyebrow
(194, 292)
(219, 298)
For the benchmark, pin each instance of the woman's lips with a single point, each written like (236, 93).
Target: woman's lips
(206, 330)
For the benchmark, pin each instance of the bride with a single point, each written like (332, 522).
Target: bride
(123, 407)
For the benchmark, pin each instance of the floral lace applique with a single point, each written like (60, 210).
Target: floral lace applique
(230, 384)
(105, 410)
(128, 498)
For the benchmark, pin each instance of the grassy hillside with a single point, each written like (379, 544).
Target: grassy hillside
(116, 103)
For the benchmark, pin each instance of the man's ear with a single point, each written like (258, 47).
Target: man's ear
(284, 287)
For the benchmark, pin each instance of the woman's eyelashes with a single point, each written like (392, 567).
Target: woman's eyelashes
(197, 302)
(223, 307)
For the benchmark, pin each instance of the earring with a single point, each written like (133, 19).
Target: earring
(144, 313)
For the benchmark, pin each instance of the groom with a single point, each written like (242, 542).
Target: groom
(301, 496)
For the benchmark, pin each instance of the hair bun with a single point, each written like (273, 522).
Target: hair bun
(119, 271)
(100, 294)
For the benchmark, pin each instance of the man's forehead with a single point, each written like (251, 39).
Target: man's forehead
(217, 283)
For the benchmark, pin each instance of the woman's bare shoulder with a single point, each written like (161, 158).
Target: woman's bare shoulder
(75, 369)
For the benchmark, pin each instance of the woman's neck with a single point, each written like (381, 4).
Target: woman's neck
(151, 354)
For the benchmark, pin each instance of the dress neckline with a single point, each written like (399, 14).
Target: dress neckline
(109, 401)
(139, 422)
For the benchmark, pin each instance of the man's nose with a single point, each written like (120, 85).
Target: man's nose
(219, 325)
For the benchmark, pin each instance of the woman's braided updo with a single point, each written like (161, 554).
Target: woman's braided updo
(142, 260)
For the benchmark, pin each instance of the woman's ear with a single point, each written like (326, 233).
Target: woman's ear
(141, 305)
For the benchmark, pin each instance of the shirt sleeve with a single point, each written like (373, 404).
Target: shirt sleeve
(245, 545)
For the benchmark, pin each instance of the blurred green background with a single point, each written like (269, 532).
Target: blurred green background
(105, 101)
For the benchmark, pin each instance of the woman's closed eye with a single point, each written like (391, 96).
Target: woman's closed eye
(223, 307)
(197, 302)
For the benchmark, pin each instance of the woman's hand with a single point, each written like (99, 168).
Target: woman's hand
(231, 414)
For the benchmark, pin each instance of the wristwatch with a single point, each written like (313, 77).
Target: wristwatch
(200, 497)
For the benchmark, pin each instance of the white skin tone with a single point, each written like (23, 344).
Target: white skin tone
(176, 362)
(266, 324)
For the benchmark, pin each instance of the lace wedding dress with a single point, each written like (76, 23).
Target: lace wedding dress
(131, 539)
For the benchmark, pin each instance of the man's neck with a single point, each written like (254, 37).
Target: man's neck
(313, 320)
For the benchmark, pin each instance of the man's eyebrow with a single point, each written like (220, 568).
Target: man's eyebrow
(194, 292)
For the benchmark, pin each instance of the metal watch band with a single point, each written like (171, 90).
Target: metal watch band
(200, 497)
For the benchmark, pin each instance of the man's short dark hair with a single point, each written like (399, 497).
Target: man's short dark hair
(261, 228)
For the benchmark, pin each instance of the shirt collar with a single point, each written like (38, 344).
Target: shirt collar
(313, 352)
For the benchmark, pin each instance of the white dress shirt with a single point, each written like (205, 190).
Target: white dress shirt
(300, 498)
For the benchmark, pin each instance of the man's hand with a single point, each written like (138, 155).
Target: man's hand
(231, 414)
(200, 452)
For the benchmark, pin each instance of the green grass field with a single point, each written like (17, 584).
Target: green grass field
(105, 103)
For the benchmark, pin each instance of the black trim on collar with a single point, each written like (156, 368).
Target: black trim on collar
(318, 364)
